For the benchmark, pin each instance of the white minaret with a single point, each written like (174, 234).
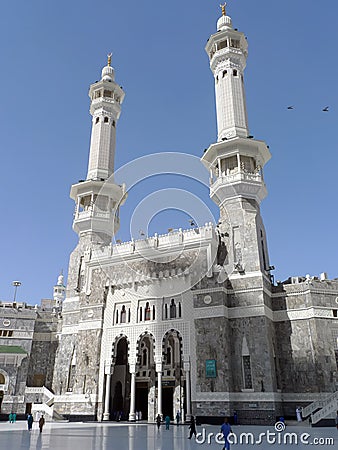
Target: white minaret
(98, 198)
(59, 292)
(228, 50)
(236, 160)
(106, 98)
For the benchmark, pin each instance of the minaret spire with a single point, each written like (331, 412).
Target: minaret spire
(236, 160)
(98, 197)
(228, 50)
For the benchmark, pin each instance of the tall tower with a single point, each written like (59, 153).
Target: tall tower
(98, 197)
(59, 291)
(236, 160)
(96, 220)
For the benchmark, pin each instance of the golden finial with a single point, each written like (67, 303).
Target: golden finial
(109, 58)
(223, 8)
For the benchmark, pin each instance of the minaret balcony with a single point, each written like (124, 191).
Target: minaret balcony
(82, 215)
(239, 184)
(97, 221)
(238, 176)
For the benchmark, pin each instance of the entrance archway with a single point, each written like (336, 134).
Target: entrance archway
(173, 379)
(120, 383)
(145, 379)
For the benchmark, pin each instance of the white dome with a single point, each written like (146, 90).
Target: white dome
(107, 74)
(224, 23)
(60, 280)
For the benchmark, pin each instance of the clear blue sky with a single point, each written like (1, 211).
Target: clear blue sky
(52, 50)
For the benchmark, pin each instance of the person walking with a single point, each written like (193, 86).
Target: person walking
(226, 430)
(299, 414)
(167, 422)
(192, 427)
(10, 417)
(178, 417)
(41, 423)
(14, 417)
(158, 421)
(30, 422)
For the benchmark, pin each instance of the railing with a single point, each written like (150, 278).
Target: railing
(330, 407)
(43, 407)
(93, 213)
(316, 405)
(239, 176)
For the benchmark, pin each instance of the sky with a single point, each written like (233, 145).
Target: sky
(52, 51)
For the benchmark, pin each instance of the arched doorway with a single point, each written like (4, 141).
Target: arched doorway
(120, 383)
(173, 381)
(145, 378)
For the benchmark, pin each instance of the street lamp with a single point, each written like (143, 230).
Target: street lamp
(16, 284)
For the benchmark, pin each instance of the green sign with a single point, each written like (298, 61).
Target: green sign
(210, 368)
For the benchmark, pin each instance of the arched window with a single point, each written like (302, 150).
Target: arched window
(179, 310)
(2, 379)
(172, 309)
(169, 355)
(117, 317)
(235, 72)
(97, 120)
(123, 314)
(224, 73)
(113, 123)
(128, 314)
(122, 352)
(141, 314)
(145, 358)
(166, 311)
(106, 120)
(153, 312)
(147, 312)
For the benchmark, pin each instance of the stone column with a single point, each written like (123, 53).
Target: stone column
(107, 398)
(132, 415)
(108, 373)
(188, 391)
(159, 388)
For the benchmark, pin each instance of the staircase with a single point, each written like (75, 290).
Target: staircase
(315, 405)
(44, 402)
(330, 406)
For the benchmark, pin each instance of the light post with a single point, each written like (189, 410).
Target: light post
(16, 284)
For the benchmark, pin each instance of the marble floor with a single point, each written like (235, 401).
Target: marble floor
(90, 436)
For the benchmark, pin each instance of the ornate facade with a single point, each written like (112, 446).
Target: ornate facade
(189, 321)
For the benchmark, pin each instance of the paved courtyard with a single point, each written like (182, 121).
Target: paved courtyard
(85, 436)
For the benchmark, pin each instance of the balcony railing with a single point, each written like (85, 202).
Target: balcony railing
(237, 177)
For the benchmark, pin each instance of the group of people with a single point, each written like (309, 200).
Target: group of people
(225, 429)
(30, 421)
(12, 418)
(192, 426)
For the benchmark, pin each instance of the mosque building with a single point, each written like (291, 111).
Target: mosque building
(190, 321)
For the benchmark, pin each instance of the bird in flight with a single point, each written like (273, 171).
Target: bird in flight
(290, 107)
(326, 109)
